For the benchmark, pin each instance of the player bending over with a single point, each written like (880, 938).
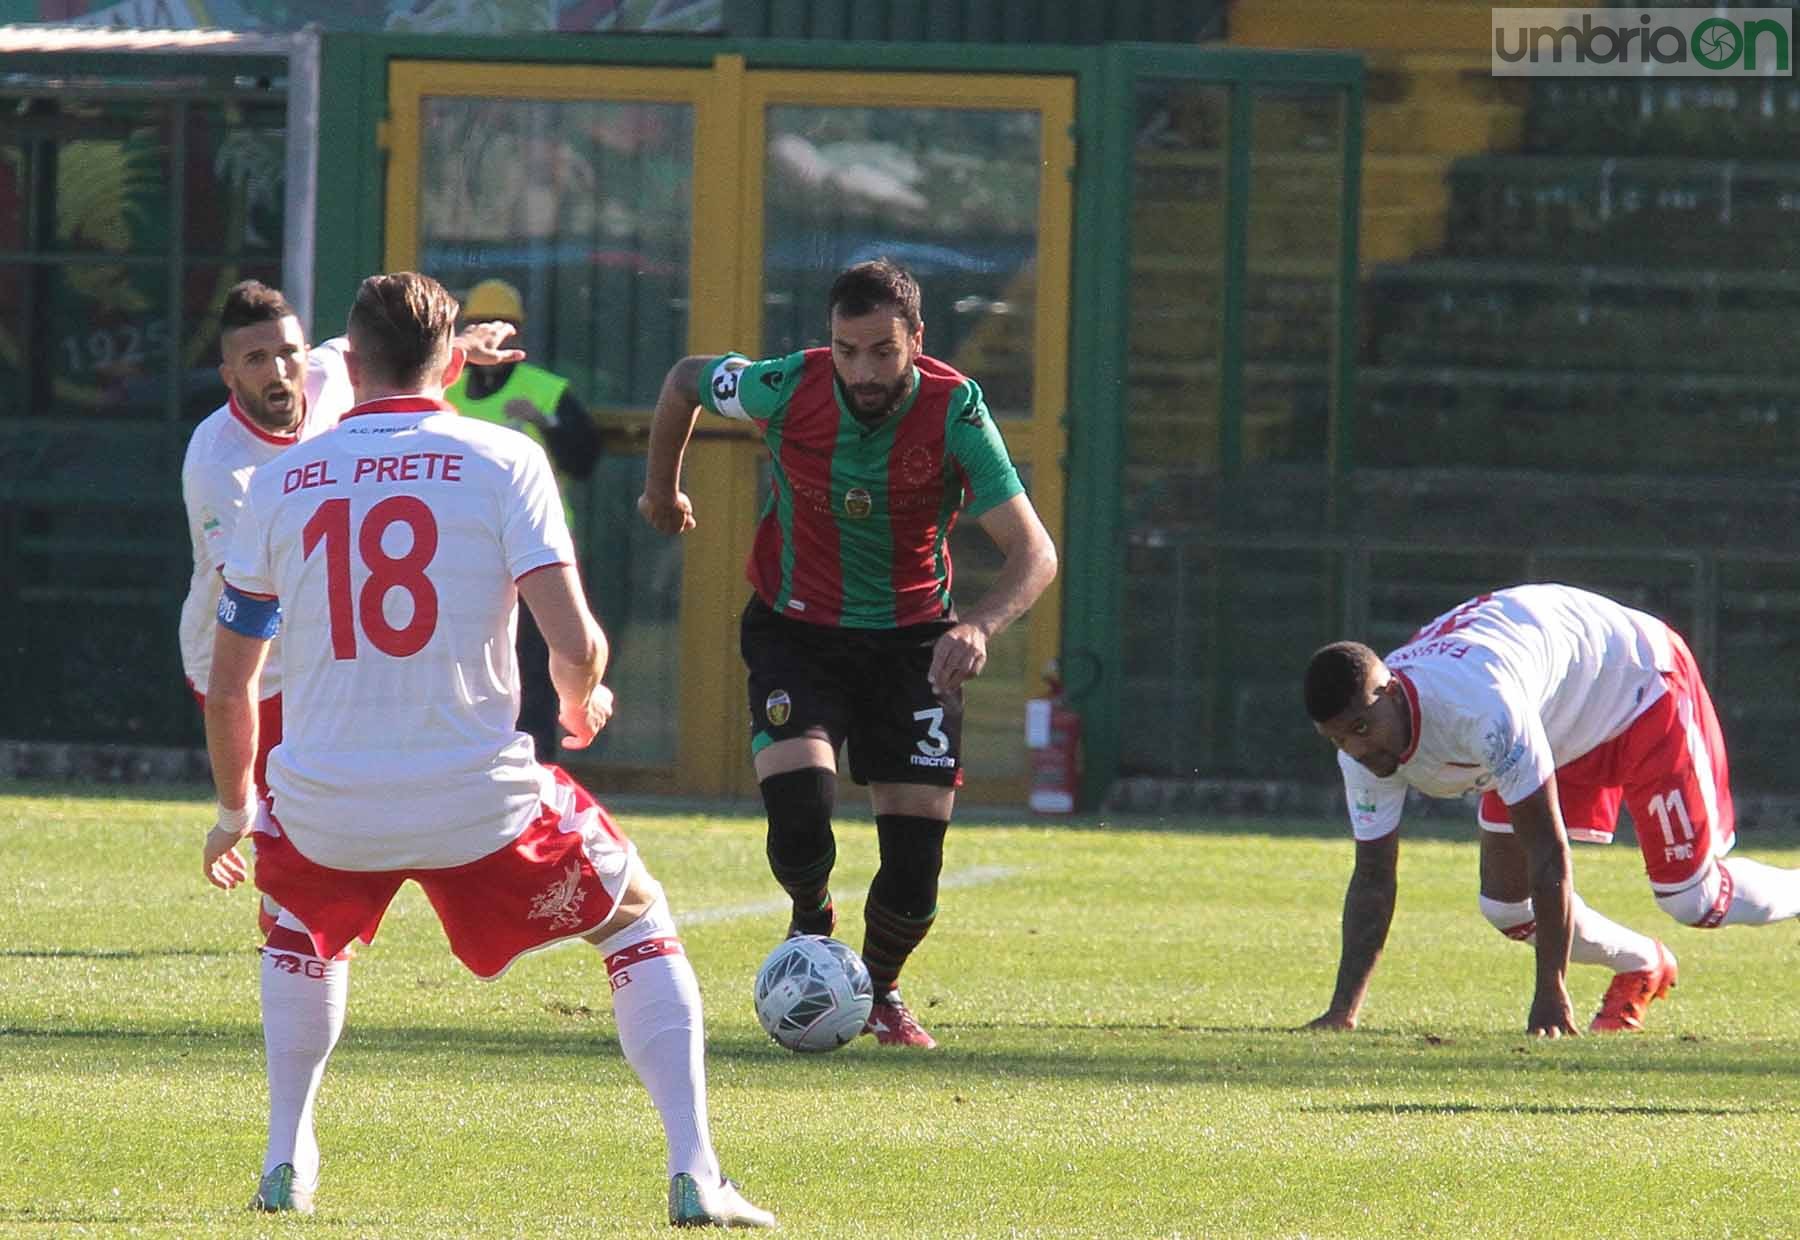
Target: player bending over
(1556, 705)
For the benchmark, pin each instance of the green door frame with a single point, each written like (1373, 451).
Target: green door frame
(1093, 590)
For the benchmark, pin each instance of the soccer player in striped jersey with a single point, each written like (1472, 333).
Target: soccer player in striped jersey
(851, 635)
(1556, 705)
(399, 544)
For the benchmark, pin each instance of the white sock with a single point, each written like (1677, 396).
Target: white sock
(656, 1002)
(1593, 938)
(1736, 892)
(303, 1001)
(1760, 893)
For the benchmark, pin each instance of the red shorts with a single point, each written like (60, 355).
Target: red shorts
(268, 733)
(1669, 770)
(547, 885)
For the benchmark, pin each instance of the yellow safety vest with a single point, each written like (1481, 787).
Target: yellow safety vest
(527, 382)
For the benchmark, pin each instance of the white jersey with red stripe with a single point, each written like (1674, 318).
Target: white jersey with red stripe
(1506, 688)
(394, 544)
(225, 448)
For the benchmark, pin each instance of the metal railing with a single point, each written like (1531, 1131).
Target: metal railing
(1241, 612)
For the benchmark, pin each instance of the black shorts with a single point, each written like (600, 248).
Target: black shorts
(868, 688)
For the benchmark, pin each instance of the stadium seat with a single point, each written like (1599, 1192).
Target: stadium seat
(1694, 117)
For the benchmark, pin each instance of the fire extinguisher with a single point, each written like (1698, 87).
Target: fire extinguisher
(1053, 735)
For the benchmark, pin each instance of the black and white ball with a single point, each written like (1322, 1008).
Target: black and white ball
(813, 993)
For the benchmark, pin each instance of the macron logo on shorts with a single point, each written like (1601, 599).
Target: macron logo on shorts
(919, 759)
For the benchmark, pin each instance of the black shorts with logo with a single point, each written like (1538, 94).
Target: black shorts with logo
(869, 688)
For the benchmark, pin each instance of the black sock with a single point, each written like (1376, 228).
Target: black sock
(888, 939)
(817, 919)
(903, 896)
(801, 847)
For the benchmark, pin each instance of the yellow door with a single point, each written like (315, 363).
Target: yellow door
(648, 213)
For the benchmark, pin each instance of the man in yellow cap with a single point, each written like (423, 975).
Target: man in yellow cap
(532, 400)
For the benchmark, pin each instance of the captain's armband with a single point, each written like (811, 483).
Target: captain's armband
(248, 614)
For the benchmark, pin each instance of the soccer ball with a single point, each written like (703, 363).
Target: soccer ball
(813, 993)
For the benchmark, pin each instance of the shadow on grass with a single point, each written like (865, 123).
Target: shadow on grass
(31, 1033)
(1502, 1108)
(132, 1217)
(1130, 1054)
(1426, 819)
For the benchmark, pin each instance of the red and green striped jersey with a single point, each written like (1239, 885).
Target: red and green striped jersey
(856, 528)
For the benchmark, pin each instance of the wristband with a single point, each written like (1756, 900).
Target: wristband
(234, 822)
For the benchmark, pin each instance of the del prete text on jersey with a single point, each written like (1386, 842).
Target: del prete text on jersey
(405, 467)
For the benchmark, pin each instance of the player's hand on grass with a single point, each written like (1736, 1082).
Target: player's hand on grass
(958, 656)
(485, 344)
(1552, 1016)
(1334, 1019)
(583, 720)
(671, 515)
(223, 864)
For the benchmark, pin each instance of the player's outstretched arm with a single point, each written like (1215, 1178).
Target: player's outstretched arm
(1368, 913)
(1030, 567)
(231, 694)
(1537, 821)
(663, 504)
(485, 344)
(578, 650)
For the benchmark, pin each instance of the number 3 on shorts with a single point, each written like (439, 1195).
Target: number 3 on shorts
(935, 744)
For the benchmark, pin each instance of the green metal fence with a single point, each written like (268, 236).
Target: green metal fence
(1218, 296)
(129, 201)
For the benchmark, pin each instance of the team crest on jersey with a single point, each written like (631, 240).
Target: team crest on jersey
(779, 707)
(858, 503)
(915, 465)
(561, 901)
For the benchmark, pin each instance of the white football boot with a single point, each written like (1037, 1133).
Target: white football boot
(278, 1193)
(691, 1204)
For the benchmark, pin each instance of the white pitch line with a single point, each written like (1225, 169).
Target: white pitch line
(974, 876)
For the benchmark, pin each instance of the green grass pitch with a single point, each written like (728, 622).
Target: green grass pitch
(1117, 1005)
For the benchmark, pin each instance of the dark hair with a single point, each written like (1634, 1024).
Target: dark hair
(868, 286)
(251, 301)
(1336, 677)
(400, 327)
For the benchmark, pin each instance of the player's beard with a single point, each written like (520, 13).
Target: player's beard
(278, 407)
(875, 400)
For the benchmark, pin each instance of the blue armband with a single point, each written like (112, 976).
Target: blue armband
(249, 615)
